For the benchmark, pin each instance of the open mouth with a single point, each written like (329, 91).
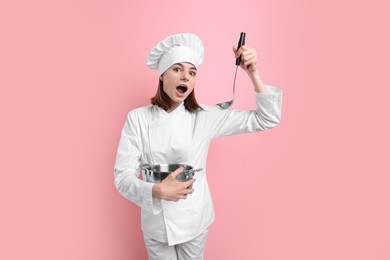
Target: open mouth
(182, 89)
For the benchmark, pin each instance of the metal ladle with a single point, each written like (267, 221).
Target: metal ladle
(227, 104)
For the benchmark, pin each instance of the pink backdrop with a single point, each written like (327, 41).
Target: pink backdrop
(315, 187)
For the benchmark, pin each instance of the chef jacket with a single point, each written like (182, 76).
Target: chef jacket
(151, 135)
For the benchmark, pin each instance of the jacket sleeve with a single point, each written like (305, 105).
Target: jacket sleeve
(266, 116)
(127, 171)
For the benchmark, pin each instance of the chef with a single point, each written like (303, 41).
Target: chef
(175, 129)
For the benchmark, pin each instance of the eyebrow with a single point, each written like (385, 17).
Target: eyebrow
(181, 65)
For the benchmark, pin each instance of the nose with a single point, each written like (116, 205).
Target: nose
(185, 76)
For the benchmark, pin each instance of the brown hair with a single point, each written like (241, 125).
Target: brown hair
(162, 100)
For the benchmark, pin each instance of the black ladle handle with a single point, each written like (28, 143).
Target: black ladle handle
(240, 43)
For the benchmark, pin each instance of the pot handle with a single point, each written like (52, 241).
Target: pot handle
(190, 174)
(144, 165)
(144, 168)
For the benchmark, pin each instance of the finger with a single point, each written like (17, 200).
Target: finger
(188, 183)
(250, 62)
(248, 56)
(188, 191)
(177, 172)
(240, 50)
(236, 54)
(249, 52)
(245, 48)
(179, 197)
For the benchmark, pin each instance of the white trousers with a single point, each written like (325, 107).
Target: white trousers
(191, 250)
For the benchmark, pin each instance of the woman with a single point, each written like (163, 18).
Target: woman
(176, 129)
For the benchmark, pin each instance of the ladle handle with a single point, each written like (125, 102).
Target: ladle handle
(240, 43)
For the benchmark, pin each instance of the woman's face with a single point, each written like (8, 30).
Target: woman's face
(179, 81)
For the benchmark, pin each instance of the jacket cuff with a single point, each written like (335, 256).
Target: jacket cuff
(154, 204)
(271, 99)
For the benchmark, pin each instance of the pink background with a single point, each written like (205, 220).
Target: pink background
(315, 187)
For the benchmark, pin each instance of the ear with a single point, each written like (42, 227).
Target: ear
(161, 78)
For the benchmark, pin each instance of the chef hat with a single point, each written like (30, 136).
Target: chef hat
(184, 47)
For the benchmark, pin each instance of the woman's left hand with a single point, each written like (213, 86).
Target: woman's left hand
(248, 58)
(248, 63)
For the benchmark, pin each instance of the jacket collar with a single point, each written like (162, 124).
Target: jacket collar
(162, 112)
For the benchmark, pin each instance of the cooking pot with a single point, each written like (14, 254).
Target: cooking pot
(157, 173)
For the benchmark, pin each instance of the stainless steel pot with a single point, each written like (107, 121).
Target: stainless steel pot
(157, 173)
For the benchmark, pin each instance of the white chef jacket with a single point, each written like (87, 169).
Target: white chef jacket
(151, 135)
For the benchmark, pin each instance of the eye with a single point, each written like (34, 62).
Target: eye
(176, 69)
(192, 73)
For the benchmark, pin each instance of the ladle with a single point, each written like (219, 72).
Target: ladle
(227, 104)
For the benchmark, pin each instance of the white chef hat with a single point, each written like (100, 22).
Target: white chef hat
(184, 47)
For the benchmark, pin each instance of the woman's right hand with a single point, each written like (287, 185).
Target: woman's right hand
(172, 189)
